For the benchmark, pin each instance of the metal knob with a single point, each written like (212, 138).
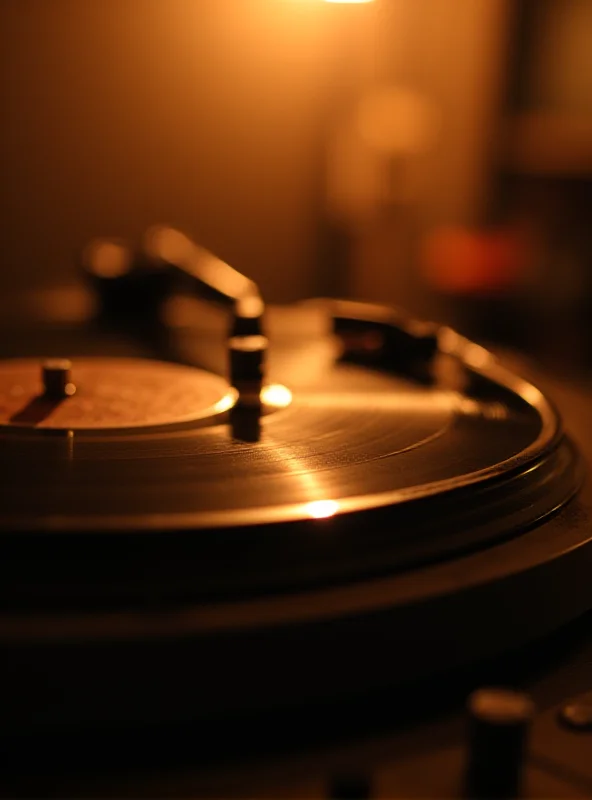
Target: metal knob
(499, 720)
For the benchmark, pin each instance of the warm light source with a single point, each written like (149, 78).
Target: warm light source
(349, 1)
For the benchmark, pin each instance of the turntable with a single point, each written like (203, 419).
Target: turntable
(250, 554)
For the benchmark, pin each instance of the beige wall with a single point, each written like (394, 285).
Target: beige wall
(455, 55)
(451, 53)
(203, 113)
(210, 114)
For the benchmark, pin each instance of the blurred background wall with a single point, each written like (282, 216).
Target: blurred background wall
(435, 154)
(203, 113)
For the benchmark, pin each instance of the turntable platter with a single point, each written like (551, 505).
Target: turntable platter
(364, 473)
(146, 543)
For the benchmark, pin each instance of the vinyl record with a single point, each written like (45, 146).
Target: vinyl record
(193, 553)
(142, 471)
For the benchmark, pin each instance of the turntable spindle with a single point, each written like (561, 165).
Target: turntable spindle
(247, 348)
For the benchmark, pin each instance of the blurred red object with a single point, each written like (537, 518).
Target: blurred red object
(456, 260)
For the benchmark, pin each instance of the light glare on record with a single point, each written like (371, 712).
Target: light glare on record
(226, 402)
(276, 395)
(321, 509)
